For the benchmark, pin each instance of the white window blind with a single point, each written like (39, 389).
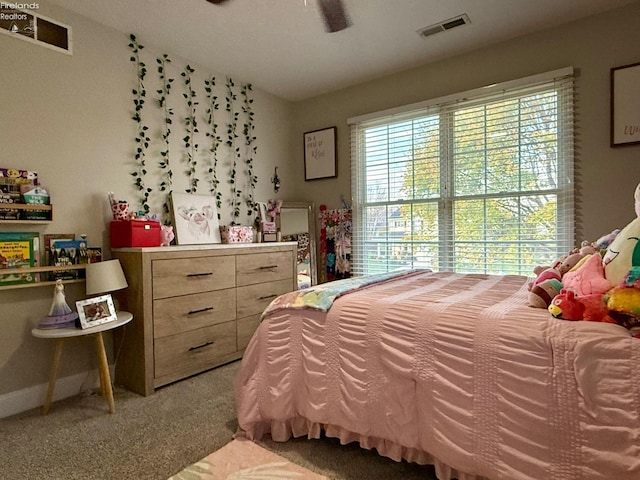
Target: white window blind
(480, 182)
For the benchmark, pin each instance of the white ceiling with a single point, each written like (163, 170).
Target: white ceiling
(281, 46)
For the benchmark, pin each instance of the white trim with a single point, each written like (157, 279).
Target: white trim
(519, 82)
(19, 401)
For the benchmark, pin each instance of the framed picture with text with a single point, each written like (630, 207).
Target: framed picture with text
(625, 105)
(320, 154)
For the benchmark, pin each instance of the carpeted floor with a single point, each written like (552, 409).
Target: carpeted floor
(155, 437)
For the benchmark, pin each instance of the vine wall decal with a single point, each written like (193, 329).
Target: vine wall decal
(214, 142)
(142, 136)
(164, 164)
(232, 157)
(191, 125)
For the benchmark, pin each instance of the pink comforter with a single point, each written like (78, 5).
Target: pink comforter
(452, 370)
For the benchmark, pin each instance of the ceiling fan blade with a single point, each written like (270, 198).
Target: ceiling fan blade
(216, 2)
(335, 16)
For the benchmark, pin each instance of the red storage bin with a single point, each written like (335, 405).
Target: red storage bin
(134, 233)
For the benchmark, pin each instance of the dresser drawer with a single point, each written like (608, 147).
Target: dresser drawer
(189, 312)
(182, 276)
(263, 267)
(253, 299)
(194, 350)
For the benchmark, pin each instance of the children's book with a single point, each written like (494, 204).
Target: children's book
(17, 251)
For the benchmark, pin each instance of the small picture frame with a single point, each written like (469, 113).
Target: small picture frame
(625, 105)
(96, 311)
(320, 154)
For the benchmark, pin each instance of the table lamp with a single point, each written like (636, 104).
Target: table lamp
(105, 277)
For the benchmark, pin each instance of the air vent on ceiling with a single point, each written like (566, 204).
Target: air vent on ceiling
(445, 25)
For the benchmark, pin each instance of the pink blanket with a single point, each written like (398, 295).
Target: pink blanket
(452, 370)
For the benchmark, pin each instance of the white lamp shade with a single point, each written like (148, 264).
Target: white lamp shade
(105, 277)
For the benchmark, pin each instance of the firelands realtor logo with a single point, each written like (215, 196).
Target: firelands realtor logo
(7, 10)
(15, 20)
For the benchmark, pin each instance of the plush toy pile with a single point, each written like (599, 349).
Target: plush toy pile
(599, 282)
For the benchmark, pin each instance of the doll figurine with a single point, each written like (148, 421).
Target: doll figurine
(60, 315)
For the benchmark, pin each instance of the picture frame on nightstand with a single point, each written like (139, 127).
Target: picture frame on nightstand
(96, 311)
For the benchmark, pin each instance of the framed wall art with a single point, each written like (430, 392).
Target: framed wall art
(96, 311)
(625, 105)
(195, 218)
(320, 154)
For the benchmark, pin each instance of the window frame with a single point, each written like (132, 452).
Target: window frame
(564, 240)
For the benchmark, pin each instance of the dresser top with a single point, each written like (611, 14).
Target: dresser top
(208, 246)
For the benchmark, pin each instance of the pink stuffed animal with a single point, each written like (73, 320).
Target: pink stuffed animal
(166, 235)
(587, 279)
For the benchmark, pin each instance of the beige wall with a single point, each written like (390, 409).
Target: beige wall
(68, 118)
(605, 177)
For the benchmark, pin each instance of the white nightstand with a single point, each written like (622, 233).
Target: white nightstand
(61, 333)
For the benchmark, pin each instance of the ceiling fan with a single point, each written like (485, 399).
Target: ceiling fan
(333, 13)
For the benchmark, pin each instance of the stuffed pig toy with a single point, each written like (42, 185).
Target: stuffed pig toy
(166, 235)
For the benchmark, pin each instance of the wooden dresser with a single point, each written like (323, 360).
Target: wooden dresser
(194, 307)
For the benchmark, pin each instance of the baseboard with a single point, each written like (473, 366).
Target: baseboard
(33, 397)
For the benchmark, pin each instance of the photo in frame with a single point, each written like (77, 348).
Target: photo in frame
(195, 219)
(625, 105)
(96, 311)
(320, 154)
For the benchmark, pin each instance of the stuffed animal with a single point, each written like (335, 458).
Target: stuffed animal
(568, 306)
(624, 252)
(603, 242)
(623, 301)
(588, 278)
(166, 235)
(541, 294)
(541, 290)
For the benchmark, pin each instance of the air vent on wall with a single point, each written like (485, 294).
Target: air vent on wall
(32, 27)
(445, 25)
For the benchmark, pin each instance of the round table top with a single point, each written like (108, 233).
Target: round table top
(123, 318)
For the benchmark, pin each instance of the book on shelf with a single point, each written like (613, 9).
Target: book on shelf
(19, 250)
(68, 252)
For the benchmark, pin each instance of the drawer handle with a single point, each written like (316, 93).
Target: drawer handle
(268, 267)
(265, 297)
(205, 309)
(201, 346)
(199, 274)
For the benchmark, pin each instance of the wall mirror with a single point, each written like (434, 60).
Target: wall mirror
(297, 223)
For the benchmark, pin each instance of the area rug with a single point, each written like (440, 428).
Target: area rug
(243, 459)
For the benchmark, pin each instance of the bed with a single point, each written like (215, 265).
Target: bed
(448, 369)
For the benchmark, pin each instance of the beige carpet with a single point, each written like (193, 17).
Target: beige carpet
(243, 459)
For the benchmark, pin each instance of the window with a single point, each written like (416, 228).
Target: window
(480, 182)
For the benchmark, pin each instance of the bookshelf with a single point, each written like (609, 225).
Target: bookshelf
(24, 206)
(42, 270)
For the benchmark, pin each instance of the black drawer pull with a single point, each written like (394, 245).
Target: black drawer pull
(265, 297)
(201, 346)
(205, 309)
(199, 274)
(268, 267)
